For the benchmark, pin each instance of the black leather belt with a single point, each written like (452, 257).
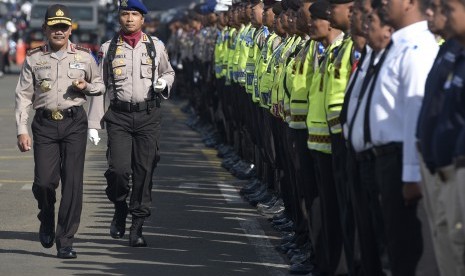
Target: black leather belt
(58, 115)
(132, 107)
(370, 154)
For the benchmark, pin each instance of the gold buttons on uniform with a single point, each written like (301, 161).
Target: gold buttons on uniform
(118, 71)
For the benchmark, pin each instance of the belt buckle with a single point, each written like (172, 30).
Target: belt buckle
(57, 115)
(133, 107)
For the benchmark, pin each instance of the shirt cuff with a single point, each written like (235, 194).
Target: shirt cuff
(94, 124)
(22, 130)
(411, 173)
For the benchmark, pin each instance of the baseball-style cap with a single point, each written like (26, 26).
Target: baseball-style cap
(337, 2)
(57, 14)
(320, 9)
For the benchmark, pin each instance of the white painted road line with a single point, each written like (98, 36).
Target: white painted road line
(229, 193)
(27, 187)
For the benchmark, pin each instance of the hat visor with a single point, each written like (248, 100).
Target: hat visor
(59, 21)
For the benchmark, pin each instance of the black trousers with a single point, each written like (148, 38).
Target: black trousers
(329, 247)
(367, 212)
(344, 198)
(132, 151)
(305, 187)
(59, 154)
(403, 228)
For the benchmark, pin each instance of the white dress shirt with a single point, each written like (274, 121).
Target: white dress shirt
(356, 84)
(399, 91)
(358, 131)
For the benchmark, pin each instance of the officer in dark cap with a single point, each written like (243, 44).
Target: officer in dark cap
(137, 74)
(55, 80)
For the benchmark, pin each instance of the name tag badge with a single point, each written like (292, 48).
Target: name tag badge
(77, 65)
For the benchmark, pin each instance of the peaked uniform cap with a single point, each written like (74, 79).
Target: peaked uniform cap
(57, 14)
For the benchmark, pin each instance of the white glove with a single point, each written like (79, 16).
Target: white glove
(92, 134)
(160, 85)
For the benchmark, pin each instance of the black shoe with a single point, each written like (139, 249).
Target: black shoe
(66, 253)
(306, 267)
(47, 228)
(135, 235)
(46, 239)
(118, 224)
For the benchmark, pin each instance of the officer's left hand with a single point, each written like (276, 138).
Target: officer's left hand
(160, 85)
(411, 192)
(79, 84)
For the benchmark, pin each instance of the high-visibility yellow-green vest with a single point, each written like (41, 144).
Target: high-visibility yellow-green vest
(219, 52)
(338, 76)
(227, 50)
(237, 51)
(265, 80)
(289, 41)
(305, 66)
(230, 55)
(278, 85)
(289, 77)
(260, 65)
(247, 44)
(253, 55)
(318, 131)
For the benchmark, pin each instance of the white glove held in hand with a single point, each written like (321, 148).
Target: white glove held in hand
(159, 85)
(92, 134)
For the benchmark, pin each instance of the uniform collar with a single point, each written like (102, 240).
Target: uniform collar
(46, 49)
(144, 39)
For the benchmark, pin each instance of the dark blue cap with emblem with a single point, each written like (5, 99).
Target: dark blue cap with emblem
(132, 5)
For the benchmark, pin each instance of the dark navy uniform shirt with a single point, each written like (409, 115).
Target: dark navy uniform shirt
(451, 119)
(433, 101)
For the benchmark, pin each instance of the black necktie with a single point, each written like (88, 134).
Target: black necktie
(366, 80)
(345, 105)
(366, 121)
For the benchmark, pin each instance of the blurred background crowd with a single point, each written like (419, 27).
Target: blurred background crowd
(95, 22)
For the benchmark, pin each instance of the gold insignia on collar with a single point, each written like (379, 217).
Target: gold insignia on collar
(77, 57)
(119, 50)
(59, 13)
(124, 3)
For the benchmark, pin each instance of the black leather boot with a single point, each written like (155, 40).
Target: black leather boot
(118, 224)
(135, 233)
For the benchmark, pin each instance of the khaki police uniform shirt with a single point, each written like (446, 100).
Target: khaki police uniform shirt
(132, 69)
(46, 81)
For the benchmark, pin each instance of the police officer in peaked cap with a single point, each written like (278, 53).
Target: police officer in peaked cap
(54, 81)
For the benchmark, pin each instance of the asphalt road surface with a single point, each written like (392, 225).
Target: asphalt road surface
(199, 223)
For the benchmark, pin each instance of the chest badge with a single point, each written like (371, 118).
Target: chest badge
(77, 57)
(119, 51)
(118, 71)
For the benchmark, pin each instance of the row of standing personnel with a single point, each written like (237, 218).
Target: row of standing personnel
(350, 111)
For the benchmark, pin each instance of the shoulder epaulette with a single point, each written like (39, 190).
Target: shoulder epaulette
(35, 50)
(82, 48)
